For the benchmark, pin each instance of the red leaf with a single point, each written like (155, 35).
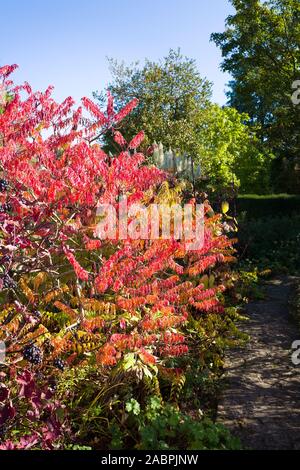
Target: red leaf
(137, 140)
(95, 110)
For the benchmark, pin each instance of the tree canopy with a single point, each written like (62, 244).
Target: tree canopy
(261, 50)
(172, 96)
(175, 109)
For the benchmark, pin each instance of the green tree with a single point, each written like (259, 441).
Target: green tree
(261, 50)
(172, 96)
(175, 109)
(231, 153)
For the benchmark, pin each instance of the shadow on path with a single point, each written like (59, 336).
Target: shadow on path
(261, 399)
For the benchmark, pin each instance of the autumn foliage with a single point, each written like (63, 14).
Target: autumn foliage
(77, 299)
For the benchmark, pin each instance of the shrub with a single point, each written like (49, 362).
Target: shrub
(271, 205)
(69, 300)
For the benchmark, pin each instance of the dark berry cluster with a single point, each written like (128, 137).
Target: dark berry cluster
(3, 186)
(33, 354)
(6, 207)
(59, 364)
(8, 282)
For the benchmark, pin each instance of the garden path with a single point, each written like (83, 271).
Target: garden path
(261, 399)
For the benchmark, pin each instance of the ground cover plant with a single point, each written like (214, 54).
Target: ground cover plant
(95, 330)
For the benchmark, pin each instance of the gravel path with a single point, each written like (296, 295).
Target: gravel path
(261, 401)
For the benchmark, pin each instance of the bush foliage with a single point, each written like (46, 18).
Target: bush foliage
(76, 311)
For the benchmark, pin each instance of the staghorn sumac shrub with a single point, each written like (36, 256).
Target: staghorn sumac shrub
(68, 298)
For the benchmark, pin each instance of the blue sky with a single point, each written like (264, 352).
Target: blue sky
(65, 42)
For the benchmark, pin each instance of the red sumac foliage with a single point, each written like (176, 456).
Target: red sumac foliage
(114, 296)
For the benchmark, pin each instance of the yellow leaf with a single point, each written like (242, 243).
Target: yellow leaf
(225, 207)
